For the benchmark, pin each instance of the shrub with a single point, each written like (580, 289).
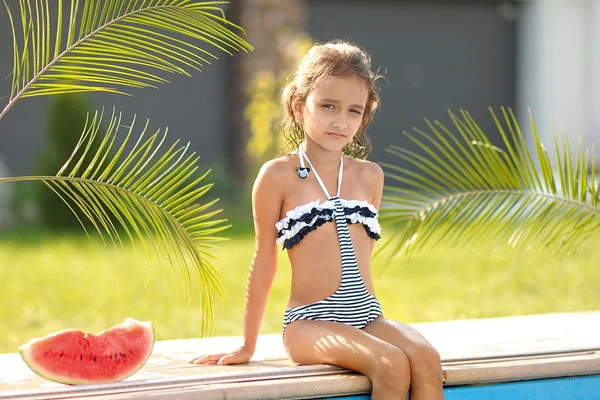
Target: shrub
(66, 121)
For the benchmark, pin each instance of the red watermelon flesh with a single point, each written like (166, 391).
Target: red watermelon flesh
(75, 357)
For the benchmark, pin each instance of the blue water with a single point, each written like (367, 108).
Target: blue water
(576, 388)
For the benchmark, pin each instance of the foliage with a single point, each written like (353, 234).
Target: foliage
(464, 190)
(262, 114)
(434, 285)
(7, 198)
(66, 118)
(262, 110)
(114, 46)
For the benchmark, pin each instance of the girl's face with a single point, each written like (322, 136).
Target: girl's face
(333, 111)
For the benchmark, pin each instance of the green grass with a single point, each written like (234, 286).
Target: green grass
(49, 283)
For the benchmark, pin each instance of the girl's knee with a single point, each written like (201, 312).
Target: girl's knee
(426, 362)
(392, 370)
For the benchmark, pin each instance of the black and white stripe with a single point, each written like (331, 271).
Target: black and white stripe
(351, 304)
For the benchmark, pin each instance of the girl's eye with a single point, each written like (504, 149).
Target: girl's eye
(329, 106)
(356, 111)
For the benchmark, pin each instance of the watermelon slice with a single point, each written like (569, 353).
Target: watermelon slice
(75, 357)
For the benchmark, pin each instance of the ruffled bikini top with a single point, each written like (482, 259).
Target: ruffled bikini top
(306, 218)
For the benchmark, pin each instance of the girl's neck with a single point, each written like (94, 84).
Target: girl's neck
(322, 159)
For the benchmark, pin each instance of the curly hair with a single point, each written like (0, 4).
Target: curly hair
(334, 58)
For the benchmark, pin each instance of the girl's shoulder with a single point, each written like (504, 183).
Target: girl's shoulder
(280, 164)
(278, 170)
(365, 169)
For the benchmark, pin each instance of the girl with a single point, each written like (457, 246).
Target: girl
(333, 315)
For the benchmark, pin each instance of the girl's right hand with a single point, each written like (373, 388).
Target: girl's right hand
(240, 356)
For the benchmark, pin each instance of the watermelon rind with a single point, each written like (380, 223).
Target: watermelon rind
(28, 350)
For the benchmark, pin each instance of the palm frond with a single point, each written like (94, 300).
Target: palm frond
(146, 193)
(466, 191)
(113, 45)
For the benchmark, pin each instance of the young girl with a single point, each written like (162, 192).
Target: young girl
(321, 204)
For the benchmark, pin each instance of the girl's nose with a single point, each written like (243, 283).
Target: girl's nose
(340, 125)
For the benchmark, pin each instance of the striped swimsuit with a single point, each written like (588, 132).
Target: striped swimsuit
(351, 304)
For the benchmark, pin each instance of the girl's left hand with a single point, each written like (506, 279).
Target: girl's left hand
(239, 356)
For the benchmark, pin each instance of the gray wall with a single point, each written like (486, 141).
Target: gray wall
(194, 109)
(436, 55)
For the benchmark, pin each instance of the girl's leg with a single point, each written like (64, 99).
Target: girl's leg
(425, 364)
(320, 342)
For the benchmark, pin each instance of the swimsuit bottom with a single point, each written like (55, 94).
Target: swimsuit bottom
(357, 310)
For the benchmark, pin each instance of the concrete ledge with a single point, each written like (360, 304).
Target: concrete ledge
(474, 352)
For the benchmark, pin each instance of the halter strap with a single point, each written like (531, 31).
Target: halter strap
(303, 155)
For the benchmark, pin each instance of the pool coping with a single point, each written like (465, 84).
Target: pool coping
(474, 352)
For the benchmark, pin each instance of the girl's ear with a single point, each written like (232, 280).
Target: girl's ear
(298, 107)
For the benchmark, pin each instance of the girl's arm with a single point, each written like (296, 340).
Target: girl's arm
(267, 197)
(375, 177)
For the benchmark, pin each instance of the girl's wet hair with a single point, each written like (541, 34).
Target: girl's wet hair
(335, 58)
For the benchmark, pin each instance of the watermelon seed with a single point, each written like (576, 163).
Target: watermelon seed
(123, 355)
(94, 358)
(81, 357)
(61, 354)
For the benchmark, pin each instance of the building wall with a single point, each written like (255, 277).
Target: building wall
(194, 109)
(558, 62)
(435, 55)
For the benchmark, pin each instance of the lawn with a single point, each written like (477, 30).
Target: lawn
(53, 282)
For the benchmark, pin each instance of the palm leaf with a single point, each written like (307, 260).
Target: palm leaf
(149, 196)
(113, 45)
(466, 191)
